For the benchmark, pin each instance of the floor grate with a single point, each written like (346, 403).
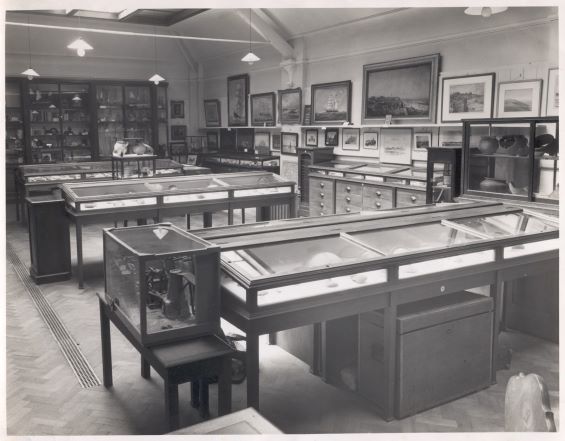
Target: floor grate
(69, 347)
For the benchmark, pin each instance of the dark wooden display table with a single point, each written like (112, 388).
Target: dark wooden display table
(177, 363)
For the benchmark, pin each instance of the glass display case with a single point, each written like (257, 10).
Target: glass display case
(75, 122)
(241, 161)
(45, 122)
(162, 121)
(515, 159)
(110, 117)
(162, 282)
(15, 141)
(443, 174)
(138, 120)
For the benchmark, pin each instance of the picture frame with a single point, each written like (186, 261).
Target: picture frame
(406, 89)
(311, 138)
(307, 115)
(262, 140)
(290, 104)
(350, 139)
(396, 146)
(212, 113)
(178, 133)
(177, 109)
(191, 159)
(212, 140)
(422, 140)
(552, 99)
(331, 102)
(276, 142)
(371, 140)
(467, 96)
(263, 109)
(331, 138)
(238, 91)
(289, 143)
(244, 139)
(519, 98)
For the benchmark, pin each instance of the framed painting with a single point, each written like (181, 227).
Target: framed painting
(177, 109)
(276, 146)
(263, 109)
(396, 146)
(212, 113)
(404, 89)
(371, 140)
(290, 103)
(289, 143)
(238, 90)
(422, 140)
(244, 139)
(519, 98)
(350, 139)
(178, 133)
(307, 117)
(212, 140)
(331, 137)
(470, 96)
(331, 103)
(312, 138)
(262, 140)
(552, 102)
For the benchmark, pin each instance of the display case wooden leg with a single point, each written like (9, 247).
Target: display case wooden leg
(172, 404)
(252, 365)
(187, 221)
(496, 291)
(230, 216)
(243, 215)
(224, 387)
(195, 393)
(316, 368)
(145, 368)
(207, 220)
(204, 409)
(263, 214)
(389, 377)
(273, 338)
(80, 274)
(106, 346)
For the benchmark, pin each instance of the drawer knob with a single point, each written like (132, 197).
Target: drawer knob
(378, 204)
(321, 204)
(321, 194)
(348, 199)
(348, 188)
(322, 184)
(379, 194)
(413, 198)
(348, 209)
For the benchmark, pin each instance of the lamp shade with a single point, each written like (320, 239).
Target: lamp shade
(250, 58)
(30, 73)
(484, 11)
(80, 46)
(156, 78)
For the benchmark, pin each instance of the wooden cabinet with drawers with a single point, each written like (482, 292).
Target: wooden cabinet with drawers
(377, 197)
(321, 196)
(407, 198)
(348, 197)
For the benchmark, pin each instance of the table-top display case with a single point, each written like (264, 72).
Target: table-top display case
(162, 282)
(443, 174)
(241, 162)
(516, 159)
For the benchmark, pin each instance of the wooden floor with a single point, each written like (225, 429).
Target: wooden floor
(45, 398)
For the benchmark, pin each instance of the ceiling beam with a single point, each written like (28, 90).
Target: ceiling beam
(267, 30)
(126, 13)
(184, 15)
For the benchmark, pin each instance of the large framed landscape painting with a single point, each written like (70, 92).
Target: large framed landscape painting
(519, 98)
(467, 97)
(238, 89)
(331, 103)
(263, 109)
(290, 104)
(405, 89)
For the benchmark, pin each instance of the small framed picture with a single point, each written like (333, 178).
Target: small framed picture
(552, 107)
(191, 159)
(177, 109)
(469, 96)
(212, 140)
(422, 140)
(262, 140)
(350, 139)
(396, 146)
(332, 137)
(276, 146)
(312, 138)
(178, 133)
(212, 114)
(371, 140)
(519, 98)
(289, 142)
(307, 117)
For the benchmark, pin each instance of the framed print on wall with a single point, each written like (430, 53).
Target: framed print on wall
(289, 143)
(177, 109)
(519, 98)
(262, 140)
(238, 90)
(312, 138)
(290, 103)
(396, 146)
(178, 133)
(371, 140)
(422, 140)
(263, 109)
(470, 96)
(350, 139)
(307, 116)
(552, 105)
(405, 89)
(331, 137)
(212, 113)
(331, 102)
(212, 140)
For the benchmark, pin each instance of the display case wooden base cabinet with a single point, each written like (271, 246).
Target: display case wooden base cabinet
(447, 339)
(48, 239)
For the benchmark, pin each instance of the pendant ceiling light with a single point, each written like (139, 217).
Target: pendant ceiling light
(250, 58)
(30, 73)
(77, 98)
(484, 11)
(156, 78)
(80, 45)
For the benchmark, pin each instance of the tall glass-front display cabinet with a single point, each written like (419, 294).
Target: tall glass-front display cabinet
(515, 159)
(15, 141)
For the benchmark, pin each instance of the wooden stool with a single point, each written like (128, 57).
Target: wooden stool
(194, 360)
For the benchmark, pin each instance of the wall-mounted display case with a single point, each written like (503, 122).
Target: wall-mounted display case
(162, 282)
(512, 158)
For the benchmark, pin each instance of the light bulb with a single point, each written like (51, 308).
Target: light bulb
(486, 12)
(30, 77)
(81, 52)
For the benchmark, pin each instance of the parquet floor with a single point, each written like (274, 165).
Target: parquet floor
(44, 397)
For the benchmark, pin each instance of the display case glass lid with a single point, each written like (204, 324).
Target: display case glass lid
(161, 239)
(378, 168)
(251, 179)
(282, 258)
(83, 167)
(341, 165)
(418, 173)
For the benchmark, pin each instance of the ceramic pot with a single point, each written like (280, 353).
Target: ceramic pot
(516, 145)
(546, 143)
(488, 145)
(493, 185)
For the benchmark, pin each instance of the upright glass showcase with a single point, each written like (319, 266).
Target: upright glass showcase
(45, 122)
(15, 141)
(110, 100)
(75, 120)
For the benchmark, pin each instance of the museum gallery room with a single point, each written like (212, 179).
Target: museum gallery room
(260, 220)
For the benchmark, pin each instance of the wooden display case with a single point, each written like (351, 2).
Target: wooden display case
(230, 162)
(443, 174)
(308, 156)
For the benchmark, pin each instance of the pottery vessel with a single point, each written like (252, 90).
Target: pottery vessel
(516, 145)
(493, 185)
(488, 145)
